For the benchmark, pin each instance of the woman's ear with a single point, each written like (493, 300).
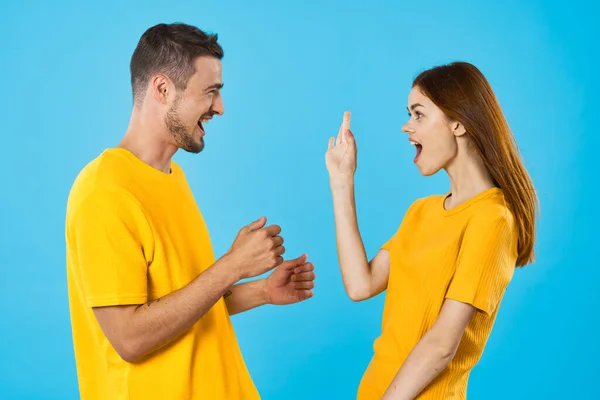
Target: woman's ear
(458, 129)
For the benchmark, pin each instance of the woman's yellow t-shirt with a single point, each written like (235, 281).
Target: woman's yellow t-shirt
(468, 254)
(135, 234)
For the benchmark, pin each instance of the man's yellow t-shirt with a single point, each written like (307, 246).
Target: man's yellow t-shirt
(467, 254)
(135, 234)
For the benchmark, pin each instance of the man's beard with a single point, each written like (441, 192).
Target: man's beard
(183, 138)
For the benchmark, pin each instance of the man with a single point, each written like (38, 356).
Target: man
(149, 303)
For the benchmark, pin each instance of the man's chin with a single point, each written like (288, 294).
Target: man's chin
(194, 146)
(194, 150)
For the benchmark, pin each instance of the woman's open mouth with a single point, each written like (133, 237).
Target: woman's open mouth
(419, 148)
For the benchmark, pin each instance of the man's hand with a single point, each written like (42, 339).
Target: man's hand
(257, 249)
(291, 282)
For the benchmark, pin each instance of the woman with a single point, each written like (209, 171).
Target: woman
(450, 261)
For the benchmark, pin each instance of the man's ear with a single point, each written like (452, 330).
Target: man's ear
(161, 88)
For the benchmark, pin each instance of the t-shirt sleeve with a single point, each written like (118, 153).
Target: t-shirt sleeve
(388, 244)
(486, 262)
(111, 239)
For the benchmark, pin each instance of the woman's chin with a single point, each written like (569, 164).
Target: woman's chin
(427, 170)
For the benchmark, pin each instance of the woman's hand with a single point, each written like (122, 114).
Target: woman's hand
(340, 158)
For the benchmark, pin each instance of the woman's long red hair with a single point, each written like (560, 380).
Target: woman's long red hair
(462, 92)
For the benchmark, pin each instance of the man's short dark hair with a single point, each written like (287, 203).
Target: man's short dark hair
(170, 49)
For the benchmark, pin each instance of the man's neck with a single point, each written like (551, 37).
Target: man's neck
(147, 141)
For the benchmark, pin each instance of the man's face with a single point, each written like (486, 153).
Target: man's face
(196, 105)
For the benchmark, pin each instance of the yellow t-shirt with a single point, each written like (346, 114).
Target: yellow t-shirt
(468, 254)
(135, 234)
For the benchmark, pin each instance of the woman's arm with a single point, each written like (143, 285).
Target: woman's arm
(433, 352)
(362, 279)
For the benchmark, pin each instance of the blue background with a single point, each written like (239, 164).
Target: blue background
(290, 72)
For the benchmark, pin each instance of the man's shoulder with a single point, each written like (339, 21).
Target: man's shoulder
(97, 171)
(102, 176)
(177, 169)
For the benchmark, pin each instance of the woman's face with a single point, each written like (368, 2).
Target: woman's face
(431, 132)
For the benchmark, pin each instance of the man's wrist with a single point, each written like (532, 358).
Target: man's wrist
(263, 288)
(229, 264)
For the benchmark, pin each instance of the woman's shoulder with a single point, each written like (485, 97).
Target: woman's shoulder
(489, 205)
(426, 202)
(491, 214)
(493, 207)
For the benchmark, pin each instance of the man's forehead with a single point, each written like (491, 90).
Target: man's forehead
(207, 72)
(208, 66)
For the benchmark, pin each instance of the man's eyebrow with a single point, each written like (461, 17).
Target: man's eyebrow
(214, 86)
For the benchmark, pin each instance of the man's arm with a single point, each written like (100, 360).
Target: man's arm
(135, 330)
(433, 352)
(291, 282)
(246, 296)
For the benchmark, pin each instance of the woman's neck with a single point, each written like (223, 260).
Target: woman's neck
(468, 177)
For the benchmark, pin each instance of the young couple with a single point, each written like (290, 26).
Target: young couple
(151, 304)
